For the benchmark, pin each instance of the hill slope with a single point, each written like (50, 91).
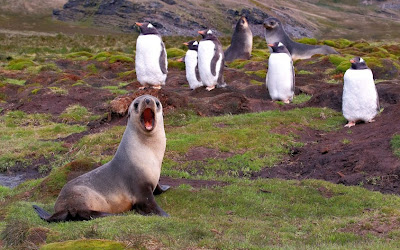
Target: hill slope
(366, 19)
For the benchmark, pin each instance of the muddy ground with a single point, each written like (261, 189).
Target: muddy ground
(360, 155)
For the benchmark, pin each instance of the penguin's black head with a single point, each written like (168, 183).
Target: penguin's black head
(358, 63)
(271, 23)
(278, 47)
(147, 29)
(192, 45)
(207, 34)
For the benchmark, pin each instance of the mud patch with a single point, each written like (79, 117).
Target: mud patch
(377, 225)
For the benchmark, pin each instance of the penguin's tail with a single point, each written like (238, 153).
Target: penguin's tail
(41, 212)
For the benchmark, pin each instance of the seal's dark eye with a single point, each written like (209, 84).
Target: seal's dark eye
(136, 105)
(158, 104)
(271, 23)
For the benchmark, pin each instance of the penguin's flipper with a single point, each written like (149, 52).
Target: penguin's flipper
(378, 106)
(163, 59)
(214, 62)
(294, 78)
(196, 70)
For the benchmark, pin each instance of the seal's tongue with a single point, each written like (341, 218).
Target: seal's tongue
(148, 118)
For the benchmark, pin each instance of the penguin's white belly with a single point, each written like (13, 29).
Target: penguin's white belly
(359, 95)
(279, 79)
(147, 60)
(205, 55)
(191, 63)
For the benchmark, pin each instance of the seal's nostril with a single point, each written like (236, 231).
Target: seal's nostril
(147, 100)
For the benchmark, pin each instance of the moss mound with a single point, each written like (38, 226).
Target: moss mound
(174, 52)
(85, 244)
(20, 64)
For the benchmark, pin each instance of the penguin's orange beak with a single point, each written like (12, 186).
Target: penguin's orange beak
(352, 61)
(201, 32)
(139, 24)
(270, 45)
(180, 60)
(186, 44)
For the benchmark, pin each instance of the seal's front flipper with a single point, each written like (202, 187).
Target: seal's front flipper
(160, 189)
(147, 205)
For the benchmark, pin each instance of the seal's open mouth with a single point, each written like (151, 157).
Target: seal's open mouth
(148, 119)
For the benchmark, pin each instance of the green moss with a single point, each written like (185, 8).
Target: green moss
(343, 66)
(78, 83)
(260, 73)
(115, 90)
(336, 59)
(174, 52)
(45, 67)
(35, 91)
(15, 81)
(176, 64)
(85, 244)
(126, 73)
(395, 142)
(92, 68)
(58, 90)
(260, 53)
(20, 64)
(304, 72)
(120, 58)
(255, 82)
(102, 56)
(308, 40)
(238, 63)
(330, 43)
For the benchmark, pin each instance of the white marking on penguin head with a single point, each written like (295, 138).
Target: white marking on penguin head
(209, 32)
(196, 43)
(280, 44)
(361, 60)
(150, 25)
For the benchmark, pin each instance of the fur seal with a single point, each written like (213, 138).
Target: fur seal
(274, 32)
(360, 97)
(151, 57)
(211, 60)
(128, 180)
(241, 43)
(280, 78)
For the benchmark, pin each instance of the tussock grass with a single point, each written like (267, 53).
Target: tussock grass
(77, 113)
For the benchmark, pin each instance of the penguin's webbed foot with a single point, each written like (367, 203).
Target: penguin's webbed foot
(350, 124)
(142, 88)
(372, 120)
(286, 101)
(156, 87)
(210, 88)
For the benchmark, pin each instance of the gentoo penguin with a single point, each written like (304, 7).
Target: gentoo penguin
(241, 43)
(274, 32)
(360, 98)
(211, 60)
(280, 76)
(151, 58)
(192, 69)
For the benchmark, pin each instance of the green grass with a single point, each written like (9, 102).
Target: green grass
(248, 138)
(31, 136)
(301, 98)
(264, 213)
(116, 90)
(77, 113)
(20, 64)
(395, 142)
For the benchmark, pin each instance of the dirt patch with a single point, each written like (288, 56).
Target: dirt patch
(377, 225)
(361, 156)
